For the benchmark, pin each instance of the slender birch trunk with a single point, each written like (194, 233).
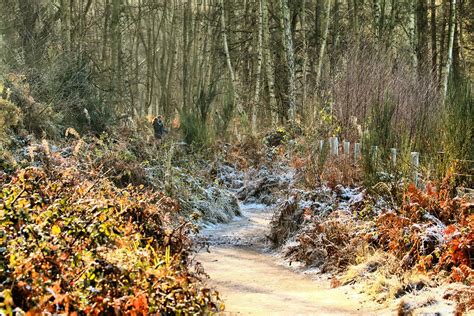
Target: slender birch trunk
(290, 59)
(323, 42)
(305, 56)
(115, 49)
(434, 50)
(335, 35)
(235, 93)
(388, 39)
(442, 41)
(412, 34)
(317, 35)
(259, 67)
(186, 49)
(376, 18)
(356, 19)
(449, 59)
(269, 64)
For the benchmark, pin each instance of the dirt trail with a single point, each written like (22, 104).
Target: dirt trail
(254, 282)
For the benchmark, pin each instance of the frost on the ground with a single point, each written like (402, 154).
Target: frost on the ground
(256, 185)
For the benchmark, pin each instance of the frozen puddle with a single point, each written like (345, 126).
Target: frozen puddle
(252, 281)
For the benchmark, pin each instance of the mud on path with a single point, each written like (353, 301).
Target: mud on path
(253, 281)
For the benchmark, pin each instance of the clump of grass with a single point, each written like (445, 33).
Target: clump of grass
(381, 276)
(376, 141)
(458, 132)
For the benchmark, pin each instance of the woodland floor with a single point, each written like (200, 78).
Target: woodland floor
(253, 281)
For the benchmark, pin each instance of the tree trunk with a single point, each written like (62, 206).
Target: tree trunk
(449, 59)
(434, 50)
(376, 18)
(259, 67)
(442, 48)
(335, 36)
(422, 45)
(388, 35)
(304, 69)
(323, 43)
(115, 51)
(317, 35)
(269, 64)
(27, 31)
(412, 33)
(229, 61)
(187, 21)
(356, 19)
(290, 59)
(65, 24)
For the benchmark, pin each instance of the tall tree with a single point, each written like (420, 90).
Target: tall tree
(449, 59)
(116, 47)
(269, 67)
(434, 45)
(304, 68)
(323, 42)
(412, 33)
(422, 42)
(233, 79)
(259, 66)
(290, 59)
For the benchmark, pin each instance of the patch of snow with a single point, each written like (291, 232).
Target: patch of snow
(252, 206)
(356, 197)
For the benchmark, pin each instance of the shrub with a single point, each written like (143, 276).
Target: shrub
(71, 90)
(195, 131)
(10, 118)
(74, 243)
(38, 118)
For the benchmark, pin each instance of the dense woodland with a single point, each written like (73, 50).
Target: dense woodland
(243, 83)
(226, 66)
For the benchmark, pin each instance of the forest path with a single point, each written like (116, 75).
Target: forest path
(252, 281)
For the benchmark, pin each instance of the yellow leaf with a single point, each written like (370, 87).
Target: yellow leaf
(56, 230)
(12, 260)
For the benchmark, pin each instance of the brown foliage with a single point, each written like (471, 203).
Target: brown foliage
(330, 244)
(407, 235)
(74, 242)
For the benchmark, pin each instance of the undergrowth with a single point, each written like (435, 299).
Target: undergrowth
(73, 242)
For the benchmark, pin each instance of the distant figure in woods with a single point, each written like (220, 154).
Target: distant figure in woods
(159, 127)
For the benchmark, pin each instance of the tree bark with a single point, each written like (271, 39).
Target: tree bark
(269, 64)
(434, 49)
(235, 92)
(442, 48)
(259, 67)
(323, 43)
(376, 18)
(290, 59)
(304, 68)
(65, 24)
(449, 59)
(412, 34)
(422, 43)
(115, 50)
